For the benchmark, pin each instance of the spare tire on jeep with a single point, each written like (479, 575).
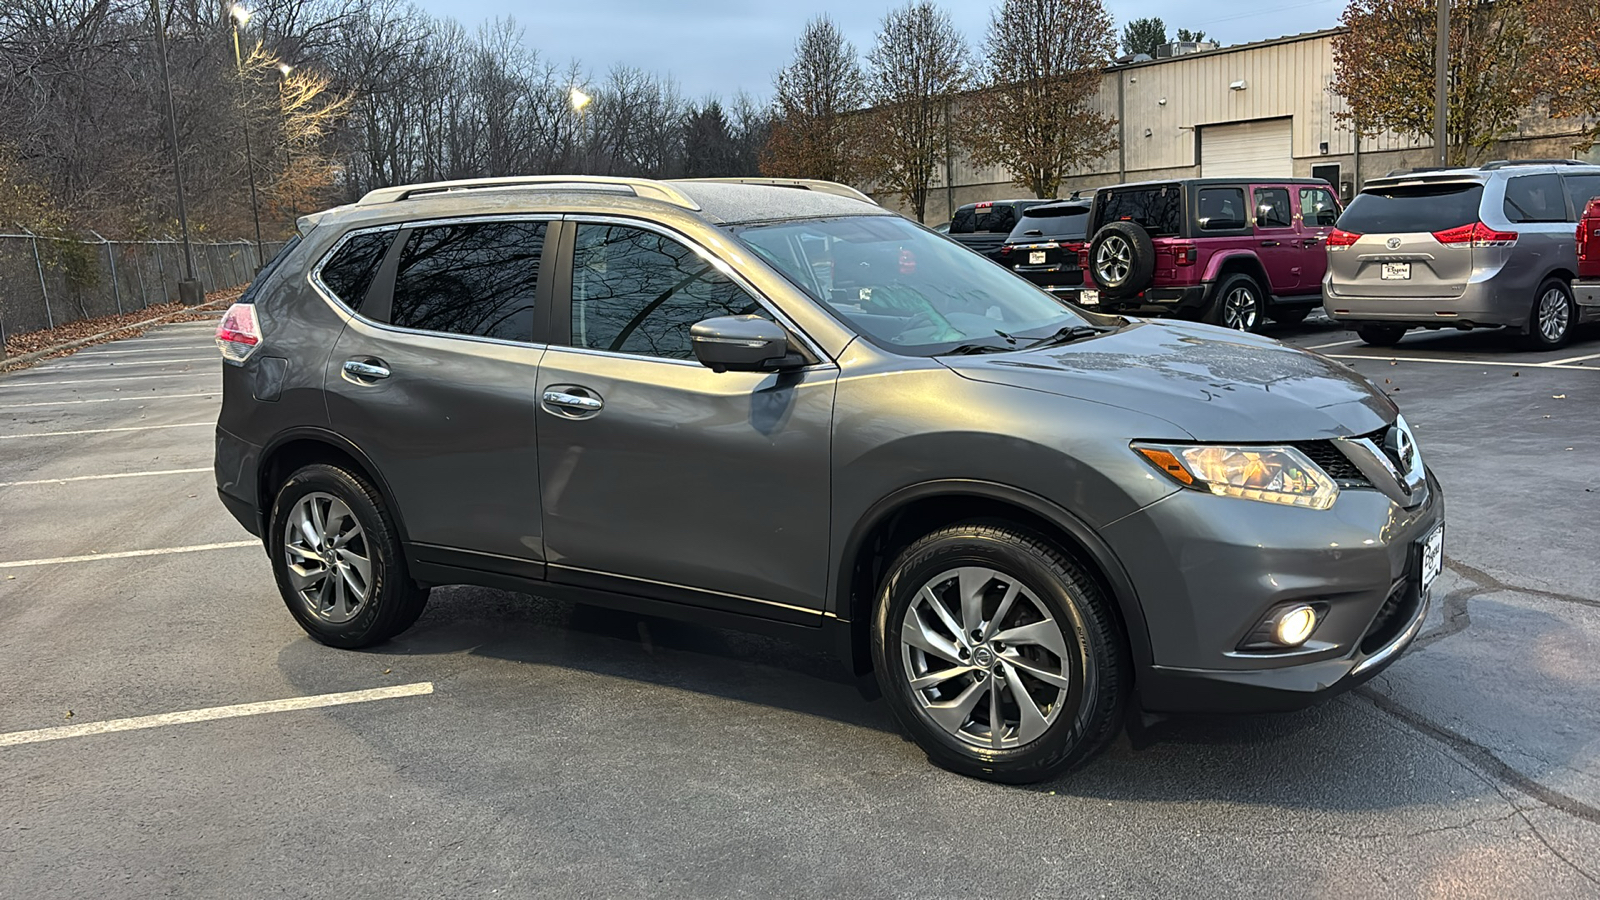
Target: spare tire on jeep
(1122, 259)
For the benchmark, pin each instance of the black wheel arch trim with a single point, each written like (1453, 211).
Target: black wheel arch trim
(344, 445)
(845, 606)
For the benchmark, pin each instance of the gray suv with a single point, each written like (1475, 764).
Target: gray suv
(780, 408)
(1462, 248)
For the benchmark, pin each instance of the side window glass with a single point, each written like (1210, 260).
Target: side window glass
(1272, 208)
(636, 291)
(475, 279)
(1535, 198)
(1580, 190)
(1317, 208)
(1222, 209)
(349, 272)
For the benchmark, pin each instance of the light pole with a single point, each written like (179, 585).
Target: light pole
(288, 143)
(189, 293)
(580, 102)
(1441, 84)
(241, 16)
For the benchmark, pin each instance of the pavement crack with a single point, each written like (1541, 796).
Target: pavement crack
(1490, 584)
(1371, 835)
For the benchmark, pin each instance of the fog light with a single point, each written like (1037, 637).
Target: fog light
(1294, 626)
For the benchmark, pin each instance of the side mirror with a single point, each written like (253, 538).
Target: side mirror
(741, 344)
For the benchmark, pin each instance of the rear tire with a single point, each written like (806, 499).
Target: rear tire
(1381, 335)
(337, 558)
(1551, 320)
(1238, 304)
(949, 672)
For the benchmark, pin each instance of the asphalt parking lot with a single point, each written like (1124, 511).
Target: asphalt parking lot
(525, 747)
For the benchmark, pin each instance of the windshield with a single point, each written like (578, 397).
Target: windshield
(1056, 223)
(905, 288)
(1413, 208)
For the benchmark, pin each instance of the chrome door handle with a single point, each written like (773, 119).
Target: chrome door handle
(572, 401)
(365, 369)
(1269, 243)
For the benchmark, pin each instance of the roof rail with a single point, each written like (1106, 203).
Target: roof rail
(1418, 170)
(643, 188)
(807, 184)
(1504, 163)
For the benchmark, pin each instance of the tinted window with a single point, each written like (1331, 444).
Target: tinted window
(1159, 210)
(470, 279)
(1272, 208)
(1536, 198)
(1413, 209)
(986, 218)
(635, 291)
(349, 273)
(1317, 208)
(1062, 223)
(1580, 190)
(1222, 209)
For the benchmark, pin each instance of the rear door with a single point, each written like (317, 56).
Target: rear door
(1277, 240)
(1316, 213)
(1396, 253)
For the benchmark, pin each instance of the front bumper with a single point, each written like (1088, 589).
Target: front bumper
(1211, 567)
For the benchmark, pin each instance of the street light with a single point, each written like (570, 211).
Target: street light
(189, 292)
(241, 15)
(580, 103)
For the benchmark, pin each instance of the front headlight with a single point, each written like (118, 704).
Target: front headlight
(1270, 474)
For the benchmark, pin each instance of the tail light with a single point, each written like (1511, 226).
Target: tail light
(1185, 255)
(1006, 250)
(238, 334)
(1339, 240)
(1475, 235)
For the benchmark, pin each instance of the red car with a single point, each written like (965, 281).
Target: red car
(1232, 252)
(1586, 288)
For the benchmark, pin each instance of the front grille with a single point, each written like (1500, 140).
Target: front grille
(1330, 459)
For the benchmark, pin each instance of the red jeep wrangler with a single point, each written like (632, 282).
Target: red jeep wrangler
(1232, 252)
(1586, 288)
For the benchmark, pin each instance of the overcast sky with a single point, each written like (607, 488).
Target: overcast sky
(721, 46)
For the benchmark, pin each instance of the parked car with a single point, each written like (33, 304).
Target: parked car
(983, 227)
(1231, 252)
(794, 412)
(1462, 248)
(1044, 245)
(1586, 288)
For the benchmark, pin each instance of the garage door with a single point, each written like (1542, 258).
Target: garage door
(1247, 150)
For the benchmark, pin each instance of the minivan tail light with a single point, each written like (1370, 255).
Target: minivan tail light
(1339, 240)
(1475, 235)
(238, 334)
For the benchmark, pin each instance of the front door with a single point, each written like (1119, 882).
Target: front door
(436, 385)
(1278, 242)
(660, 477)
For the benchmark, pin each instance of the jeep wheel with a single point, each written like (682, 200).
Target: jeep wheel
(1122, 259)
(1380, 335)
(1550, 323)
(1238, 304)
(337, 558)
(998, 654)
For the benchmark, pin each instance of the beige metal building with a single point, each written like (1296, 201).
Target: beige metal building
(1261, 110)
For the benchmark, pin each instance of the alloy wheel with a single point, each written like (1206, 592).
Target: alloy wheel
(328, 560)
(985, 658)
(1114, 261)
(1553, 315)
(1240, 309)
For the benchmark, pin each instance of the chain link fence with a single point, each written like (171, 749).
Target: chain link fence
(47, 281)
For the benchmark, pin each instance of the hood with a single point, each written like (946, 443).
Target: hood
(1217, 385)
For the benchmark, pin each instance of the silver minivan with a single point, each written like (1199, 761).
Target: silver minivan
(1462, 248)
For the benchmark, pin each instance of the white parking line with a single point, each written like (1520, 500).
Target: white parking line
(43, 434)
(315, 701)
(104, 477)
(1562, 362)
(1334, 344)
(131, 362)
(125, 554)
(1462, 362)
(186, 345)
(95, 380)
(112, 399)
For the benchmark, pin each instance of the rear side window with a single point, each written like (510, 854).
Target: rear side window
(1317, 208)
(984, 218)
(1272, 208)
(1058, 223)
(349, 272)
(1580, 190)
(1159, 210)
(473, 279)
(1536, 198)
(1222, 209)
(1413, 209)
(636, 291)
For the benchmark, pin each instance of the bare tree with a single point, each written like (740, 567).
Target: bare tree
(916, 65)
(1035, 114)
(814, 132)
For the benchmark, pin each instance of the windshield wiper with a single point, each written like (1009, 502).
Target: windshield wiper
(1066, 336)
(971, 349)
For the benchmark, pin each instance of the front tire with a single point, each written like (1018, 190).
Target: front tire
(1550, 322)
(337, 558)
(1238, 305)
(998, 654)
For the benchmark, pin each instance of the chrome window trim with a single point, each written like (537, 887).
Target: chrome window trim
(716, 262)
(328, 296)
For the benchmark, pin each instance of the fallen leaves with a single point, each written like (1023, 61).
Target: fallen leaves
(44, 339)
